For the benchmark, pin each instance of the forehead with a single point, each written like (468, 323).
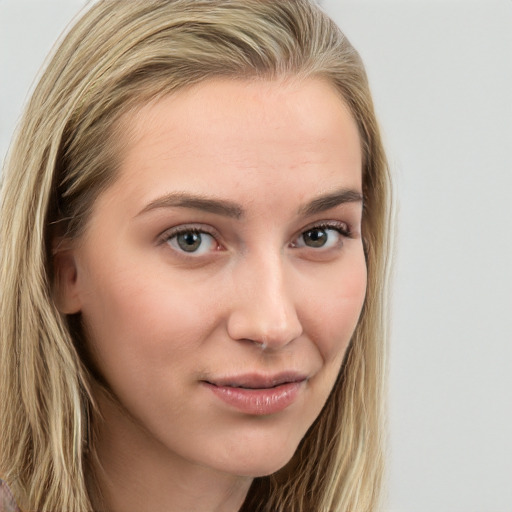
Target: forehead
(242, 133)
(218, 103)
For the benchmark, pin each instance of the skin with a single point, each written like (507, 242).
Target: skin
(256, 297)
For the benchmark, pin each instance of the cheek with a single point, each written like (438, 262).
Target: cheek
(136, 318)
(334, 309)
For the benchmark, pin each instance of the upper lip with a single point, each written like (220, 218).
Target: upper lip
(257, 381)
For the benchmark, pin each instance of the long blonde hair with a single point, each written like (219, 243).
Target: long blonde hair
(119, 55)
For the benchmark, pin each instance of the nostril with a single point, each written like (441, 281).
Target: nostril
(256, 331)
(263, 345)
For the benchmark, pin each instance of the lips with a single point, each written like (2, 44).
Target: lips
(255, 394)
(255, 381)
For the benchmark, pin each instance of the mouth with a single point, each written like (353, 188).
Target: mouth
(258, 395)
(255, 381)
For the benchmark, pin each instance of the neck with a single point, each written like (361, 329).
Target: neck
(135, 472)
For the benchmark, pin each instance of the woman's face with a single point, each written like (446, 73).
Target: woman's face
(221, 276)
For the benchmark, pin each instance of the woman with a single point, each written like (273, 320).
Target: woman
(194, 231)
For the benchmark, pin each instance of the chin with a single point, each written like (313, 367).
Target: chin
(263, 463)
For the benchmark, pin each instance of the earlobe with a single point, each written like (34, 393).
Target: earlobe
(65, 280)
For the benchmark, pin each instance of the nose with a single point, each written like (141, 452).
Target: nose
(263, 304)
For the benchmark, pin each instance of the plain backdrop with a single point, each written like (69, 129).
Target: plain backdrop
(441, 74)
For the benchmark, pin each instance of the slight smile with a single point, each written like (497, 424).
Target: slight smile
(256, 394)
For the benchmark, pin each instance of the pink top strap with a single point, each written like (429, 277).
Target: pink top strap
(7, 503)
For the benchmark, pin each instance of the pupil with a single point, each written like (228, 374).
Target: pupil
(189, 242)
(315, 238)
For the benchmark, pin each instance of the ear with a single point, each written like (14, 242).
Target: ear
(65, 286)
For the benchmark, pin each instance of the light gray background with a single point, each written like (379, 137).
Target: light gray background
(441, 73)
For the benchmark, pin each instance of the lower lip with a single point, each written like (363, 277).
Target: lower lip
(261, 401)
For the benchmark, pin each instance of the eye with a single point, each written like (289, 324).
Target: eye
(323, 237)
(192, 241)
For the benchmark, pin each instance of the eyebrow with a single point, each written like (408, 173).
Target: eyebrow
(196, 202)
(331, 200)
(231, 209)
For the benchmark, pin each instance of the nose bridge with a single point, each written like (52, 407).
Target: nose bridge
(264, 307)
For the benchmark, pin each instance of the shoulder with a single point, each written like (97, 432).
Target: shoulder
(7, 503)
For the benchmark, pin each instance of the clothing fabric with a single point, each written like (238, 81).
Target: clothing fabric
(7, 503)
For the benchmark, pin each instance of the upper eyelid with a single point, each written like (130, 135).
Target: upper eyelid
(327, 224)
(186, 228)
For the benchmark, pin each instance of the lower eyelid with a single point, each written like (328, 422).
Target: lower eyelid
(329, 245)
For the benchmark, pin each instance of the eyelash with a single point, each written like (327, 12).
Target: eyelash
(340, 227)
